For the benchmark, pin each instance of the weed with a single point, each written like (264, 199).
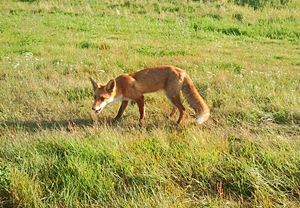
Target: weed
(86, 44)
(281, 116)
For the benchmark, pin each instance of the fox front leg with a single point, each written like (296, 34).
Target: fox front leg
(122, 109)
(141, 105)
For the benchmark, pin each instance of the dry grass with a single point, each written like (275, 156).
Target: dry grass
(55, 152)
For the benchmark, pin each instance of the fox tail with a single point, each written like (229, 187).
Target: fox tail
(195, 100)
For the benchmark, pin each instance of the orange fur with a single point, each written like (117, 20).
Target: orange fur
(132, 87)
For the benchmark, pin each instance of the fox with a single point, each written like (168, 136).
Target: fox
(132, 87)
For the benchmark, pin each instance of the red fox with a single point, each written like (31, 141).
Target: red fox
(131, 87)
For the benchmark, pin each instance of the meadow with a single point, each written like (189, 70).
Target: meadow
(243, 57)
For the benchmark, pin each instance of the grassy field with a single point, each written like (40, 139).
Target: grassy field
(243, 59)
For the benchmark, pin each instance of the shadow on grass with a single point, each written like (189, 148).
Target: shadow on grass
(34, 126)
(124, 123)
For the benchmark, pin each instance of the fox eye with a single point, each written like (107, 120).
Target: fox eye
(102, 98)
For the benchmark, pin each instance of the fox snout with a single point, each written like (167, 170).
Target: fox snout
(97, 109)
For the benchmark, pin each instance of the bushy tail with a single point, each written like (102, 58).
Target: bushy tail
(195, 100)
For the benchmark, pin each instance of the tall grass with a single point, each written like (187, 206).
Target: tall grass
(55, 152)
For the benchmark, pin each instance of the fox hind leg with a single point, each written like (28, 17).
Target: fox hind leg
(174, 110)
(172, 91)
(176, 101)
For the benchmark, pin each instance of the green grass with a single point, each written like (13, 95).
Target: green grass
(243, 58)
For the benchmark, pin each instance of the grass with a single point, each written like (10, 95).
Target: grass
(244, 60)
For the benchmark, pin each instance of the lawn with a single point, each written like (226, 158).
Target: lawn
(243, 58)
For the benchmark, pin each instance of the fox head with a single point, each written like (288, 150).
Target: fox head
(103, 94)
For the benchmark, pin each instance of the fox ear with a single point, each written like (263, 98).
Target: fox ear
(110, 87)
(94, 83)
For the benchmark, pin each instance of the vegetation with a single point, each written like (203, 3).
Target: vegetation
(243, 59)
